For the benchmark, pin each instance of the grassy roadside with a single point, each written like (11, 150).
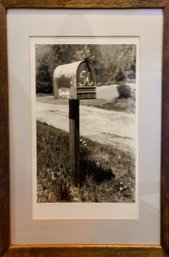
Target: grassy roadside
(120, 105)
(106, 173)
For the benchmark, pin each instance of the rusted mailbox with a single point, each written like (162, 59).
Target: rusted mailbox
(75, 80)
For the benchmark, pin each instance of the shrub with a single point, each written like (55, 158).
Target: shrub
(124, 90)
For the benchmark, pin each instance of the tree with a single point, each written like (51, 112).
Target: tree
(111, 62)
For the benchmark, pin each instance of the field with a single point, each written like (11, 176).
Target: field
(107, 174)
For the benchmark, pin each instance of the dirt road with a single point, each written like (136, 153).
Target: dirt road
(104, 126)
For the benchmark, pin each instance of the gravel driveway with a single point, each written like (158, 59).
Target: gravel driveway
(104, 126)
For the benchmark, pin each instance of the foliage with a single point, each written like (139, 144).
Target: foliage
(43, 75)
(124, 90)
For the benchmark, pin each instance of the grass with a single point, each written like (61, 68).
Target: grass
(107, 174)
(119, 104)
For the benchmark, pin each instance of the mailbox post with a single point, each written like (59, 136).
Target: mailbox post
(75, 81)
(74, 147)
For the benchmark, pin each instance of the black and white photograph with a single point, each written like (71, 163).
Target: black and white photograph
(86, 125)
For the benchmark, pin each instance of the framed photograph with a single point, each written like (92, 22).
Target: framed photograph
(84, 121)
(100, 178)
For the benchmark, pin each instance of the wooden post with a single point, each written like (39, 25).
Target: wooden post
(74, 138)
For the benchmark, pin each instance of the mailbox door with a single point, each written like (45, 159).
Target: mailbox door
(86, 81)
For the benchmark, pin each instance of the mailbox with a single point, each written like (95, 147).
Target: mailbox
(75, 80)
